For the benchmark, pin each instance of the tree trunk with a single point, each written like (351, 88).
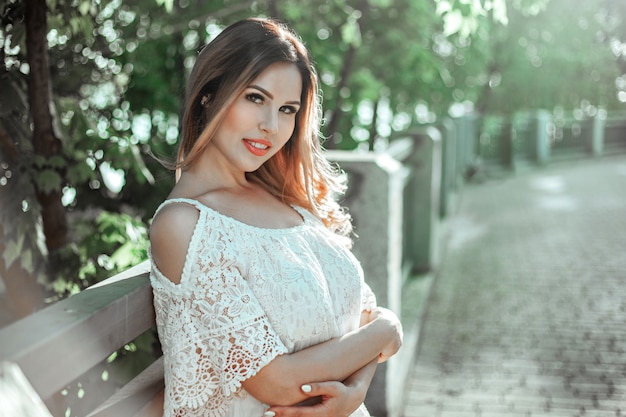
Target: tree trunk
(373, 131)
(274, 11)
(335, 115)
(45, 142)
(484, 97)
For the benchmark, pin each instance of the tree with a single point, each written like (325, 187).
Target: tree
(117, 71)
(613, 35)
(108, 107)
(549, 55)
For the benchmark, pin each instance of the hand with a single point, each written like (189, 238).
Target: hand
(335, 400)
(390, 321)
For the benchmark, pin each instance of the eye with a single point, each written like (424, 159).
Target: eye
(255, 98)
(289, 109)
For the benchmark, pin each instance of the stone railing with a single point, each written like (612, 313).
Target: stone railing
(397, 199)
(538, 138)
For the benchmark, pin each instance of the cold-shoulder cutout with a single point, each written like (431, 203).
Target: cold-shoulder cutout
(171, 233)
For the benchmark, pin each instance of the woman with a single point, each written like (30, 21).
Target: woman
(260, 305)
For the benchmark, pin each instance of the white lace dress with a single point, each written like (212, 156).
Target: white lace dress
(246, 295)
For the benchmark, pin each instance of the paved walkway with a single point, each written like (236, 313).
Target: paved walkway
(528, 315)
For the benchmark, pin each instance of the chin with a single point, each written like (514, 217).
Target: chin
(254, 168)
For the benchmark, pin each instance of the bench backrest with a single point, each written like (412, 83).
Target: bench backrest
(55, 346)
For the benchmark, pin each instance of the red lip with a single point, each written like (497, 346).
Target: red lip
(250, 145)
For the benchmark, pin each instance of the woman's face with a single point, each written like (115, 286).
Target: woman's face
(260, 121)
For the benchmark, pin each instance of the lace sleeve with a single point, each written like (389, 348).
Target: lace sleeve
(216, 336)
(368, 299)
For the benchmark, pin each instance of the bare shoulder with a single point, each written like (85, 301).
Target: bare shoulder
(170, 234)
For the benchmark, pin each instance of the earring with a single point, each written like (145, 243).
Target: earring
(205, 100)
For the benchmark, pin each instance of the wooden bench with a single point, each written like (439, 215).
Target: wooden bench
(42, 354)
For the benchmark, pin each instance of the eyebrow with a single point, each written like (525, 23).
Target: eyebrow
(271, 96)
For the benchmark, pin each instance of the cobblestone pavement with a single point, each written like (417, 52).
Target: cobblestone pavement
(528, 315)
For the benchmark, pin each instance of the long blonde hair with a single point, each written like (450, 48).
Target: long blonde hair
(298, 174)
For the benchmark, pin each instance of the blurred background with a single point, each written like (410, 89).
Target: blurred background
(90, 93)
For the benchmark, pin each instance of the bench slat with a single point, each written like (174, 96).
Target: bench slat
(61, 342)
(134, 397)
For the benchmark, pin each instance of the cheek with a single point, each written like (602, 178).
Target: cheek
(287, 128)
(237, 115)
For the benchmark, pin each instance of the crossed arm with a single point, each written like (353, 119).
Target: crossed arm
(338, 372)
(333, 398)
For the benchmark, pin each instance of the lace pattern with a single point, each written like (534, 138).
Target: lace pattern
(247, 295)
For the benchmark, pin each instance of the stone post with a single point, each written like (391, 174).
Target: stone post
(448, 167)
(422, 197)
(466, 138)
(506, 149)
(541, 151)
(375, 200)
(459, 152)
(595, 144)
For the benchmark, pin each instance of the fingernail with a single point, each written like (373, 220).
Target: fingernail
(306, 388)
(269, 414)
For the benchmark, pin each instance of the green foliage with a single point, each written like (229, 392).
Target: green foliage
(169, 4)
(104, 243)
(463, 17)
(119, 68)
(545, 62)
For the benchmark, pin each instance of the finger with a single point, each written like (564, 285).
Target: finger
(306, 408)
(366, 317)
(293, 412)
(315, 389)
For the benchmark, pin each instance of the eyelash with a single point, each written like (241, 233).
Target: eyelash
(255, 98)
(259, 99)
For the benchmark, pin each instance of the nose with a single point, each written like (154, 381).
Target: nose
(269, 121)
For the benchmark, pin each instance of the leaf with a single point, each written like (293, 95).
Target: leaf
(351, 32)
(169, 4)
(79, 173)
(48, 180)
(383, 4)
(39, 161)
(499, 12)
(452, 21)
(87, 270)
(84, 7)
(125, 256)
(443, 6)
(56, 161)
(75, 24)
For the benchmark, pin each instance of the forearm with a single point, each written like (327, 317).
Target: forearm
(360, 382)
(331, 398)
(338, 359)
(363, 377)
